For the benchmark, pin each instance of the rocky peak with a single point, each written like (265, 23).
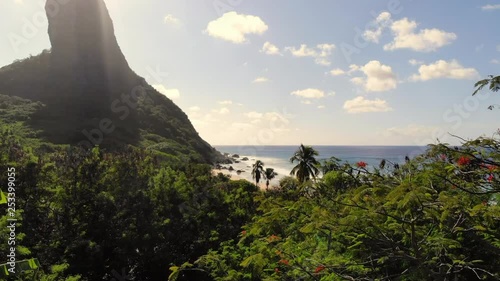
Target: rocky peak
(83, 41)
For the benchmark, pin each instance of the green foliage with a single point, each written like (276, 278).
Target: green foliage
(434, 218)
(86, 214)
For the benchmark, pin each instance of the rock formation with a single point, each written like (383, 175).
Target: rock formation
(83, 81)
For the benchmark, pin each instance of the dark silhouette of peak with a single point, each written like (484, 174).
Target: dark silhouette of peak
(82, 36)
(91, 95)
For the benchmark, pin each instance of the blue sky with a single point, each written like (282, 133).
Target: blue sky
(262, 72)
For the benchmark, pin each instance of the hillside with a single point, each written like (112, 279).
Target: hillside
(90, 95)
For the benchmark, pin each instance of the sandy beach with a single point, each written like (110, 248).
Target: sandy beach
(242, 176)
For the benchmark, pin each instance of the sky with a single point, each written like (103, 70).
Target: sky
(358, 72)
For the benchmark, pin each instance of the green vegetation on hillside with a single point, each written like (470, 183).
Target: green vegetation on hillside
(65, 110)
(154, 212)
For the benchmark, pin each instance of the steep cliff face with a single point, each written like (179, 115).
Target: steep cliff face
(91, 94)
(84, 44)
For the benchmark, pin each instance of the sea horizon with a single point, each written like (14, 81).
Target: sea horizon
(278, 156)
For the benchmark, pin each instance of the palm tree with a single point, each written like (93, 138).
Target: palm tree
(258, 171)
(307, 164)
(269, 175)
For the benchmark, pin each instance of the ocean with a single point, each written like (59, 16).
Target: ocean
(278, 157)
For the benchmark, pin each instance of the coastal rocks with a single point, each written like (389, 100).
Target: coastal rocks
(236, 156)
(244, 159)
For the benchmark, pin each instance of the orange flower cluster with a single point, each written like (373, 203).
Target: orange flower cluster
(361, 164)
(463, 161)
(319, 269)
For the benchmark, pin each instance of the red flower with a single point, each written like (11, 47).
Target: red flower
(463, 161)
(244, 232)
(361, 164)
(285, 262)
(319, 269)
(491, 177)
(273, 238)
(492, 167)
(277, 270)
(443, 157)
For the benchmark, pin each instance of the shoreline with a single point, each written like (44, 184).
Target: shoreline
(234, 177)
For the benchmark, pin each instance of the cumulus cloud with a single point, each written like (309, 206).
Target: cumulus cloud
(270, 49)
(254, 115)
(381, 22)
(234, 27)
(171, 19)
(415, 62)
(378, 77)
(309, 93)
(222, 111)
(362, 105)
(260, 80)
(491, 7)
(337, 72)
(425, 40)
(321, 53)
(170, 93)
(444, 69)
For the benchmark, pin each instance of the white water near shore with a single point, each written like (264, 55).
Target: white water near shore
(278, 157)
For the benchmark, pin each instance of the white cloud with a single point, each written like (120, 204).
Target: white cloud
(498, 48)
(225, 102)
(444, 69)
(412, 130)
(19, 1)
(170, 93)
(337, 72)
(222, 111)
(490, 7)
(321, 106)
(194, 109)
(170, 19)
(331, 94)
(303, 51)
(321, 53)
(254, 115)
(426, 40)
(379, 77)
(260, 80)
(495, 61)
(381, 22)
(415, 62)
(234, 27)
(362, 105)
(309, 93)
(306, 102)
(270, 49)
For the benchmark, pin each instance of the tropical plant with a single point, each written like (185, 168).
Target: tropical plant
(307, 166)
(494, 86)
(269, 175)
(258, 171)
